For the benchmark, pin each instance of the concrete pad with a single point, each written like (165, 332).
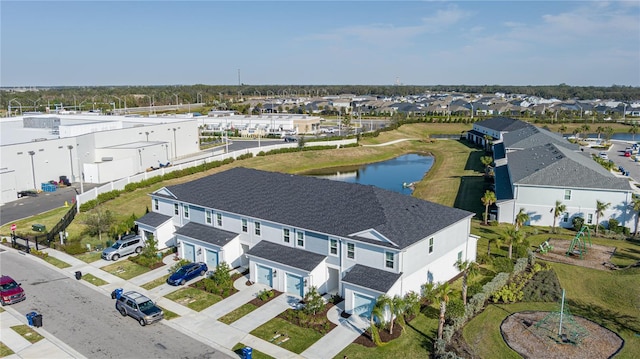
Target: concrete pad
(263, 314)
(235, 301)
(179, 309)
(44, 349)
(271, 349)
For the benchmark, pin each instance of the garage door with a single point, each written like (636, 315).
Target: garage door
(263, 276)
(294, 285)
(362, 305)
(189, 252)
(212, 259)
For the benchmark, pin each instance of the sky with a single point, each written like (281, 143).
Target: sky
(423, 43)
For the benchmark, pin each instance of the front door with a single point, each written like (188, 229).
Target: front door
(189, 252)
(212, 259)
(295, 285)
(264, 275)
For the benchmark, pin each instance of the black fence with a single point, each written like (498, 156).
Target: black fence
(45, 239)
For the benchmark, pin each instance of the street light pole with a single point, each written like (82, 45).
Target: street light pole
(70, 147)
(33, 169)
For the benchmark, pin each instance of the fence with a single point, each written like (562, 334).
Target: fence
(121, 183)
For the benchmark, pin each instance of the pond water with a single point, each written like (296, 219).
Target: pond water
(389, 175)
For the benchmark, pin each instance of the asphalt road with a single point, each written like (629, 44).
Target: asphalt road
(86, 319)
(616, 154)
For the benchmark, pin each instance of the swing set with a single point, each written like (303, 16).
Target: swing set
(579, 243)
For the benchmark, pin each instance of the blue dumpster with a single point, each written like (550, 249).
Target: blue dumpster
(247, 352)
(116, 294)
(30, 317)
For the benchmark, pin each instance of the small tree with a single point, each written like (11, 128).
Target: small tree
(313, 302)
(151, 247)
(378, 312)
(633, 130)
(636, 208)
(98, 221)
(488, 199)
(468, 269)
(558, 210)
(442, 296)
(222, 275)
(512, 236)
(600, 208)
(521, 218)
(412, 301)
(397, 307)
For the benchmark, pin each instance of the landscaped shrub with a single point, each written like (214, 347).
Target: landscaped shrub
(265, 294)
(74, 248)
(577, 222)
(543, 287)
(455, 309)
(503, 264)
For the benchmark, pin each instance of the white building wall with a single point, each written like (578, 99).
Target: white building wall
(367, 255)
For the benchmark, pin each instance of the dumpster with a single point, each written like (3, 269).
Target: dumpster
(78, 275)
(247, 352)
(37, 320)
(38, 227)
(116, 294)
(30, 316)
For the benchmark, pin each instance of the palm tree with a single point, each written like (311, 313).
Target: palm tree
(608, 132)
(521, 218)
(488, 199)
(378, 311)
(584, 129)
(600, 208)
(633, 130)
(636, 208)
(468, 269)
(442, 296)
(486, 161)
(495, 240)
(558, 210)
(512, 236)
(562, 129)
(599, 131)
(428, 293)
(397, 306)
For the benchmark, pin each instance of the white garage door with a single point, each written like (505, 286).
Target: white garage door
(264, 275)
(362, 305)
(212, 259)
(189, 252)
(294, 285)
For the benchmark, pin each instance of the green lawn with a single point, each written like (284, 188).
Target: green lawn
(125, 269)
(237, 313)
(194, 298)
(254, 353)
(29, 334)
(93, 279)
(299, 338)
(155, 283)
(168, 315)
(56, 262)
(4, 350)
(89, 257)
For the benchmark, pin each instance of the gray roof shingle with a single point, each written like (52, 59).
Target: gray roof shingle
(532, 136)
(372, 278)
(293, 257)
(206, 233)
(321, 205)
(551, 165)
(153, 219)
(503, 124)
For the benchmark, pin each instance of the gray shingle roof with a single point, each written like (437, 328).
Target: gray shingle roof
(153, 219)
(372, 278)
(293, 257)
(207, 234)
(321, 205)
(552, 165)
(532, 136)
(502, 124)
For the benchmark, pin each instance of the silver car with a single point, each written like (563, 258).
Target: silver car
(139, 307)
(123, 247)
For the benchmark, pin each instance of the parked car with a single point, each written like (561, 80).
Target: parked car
(123, 247)
(139, 307)
(603, 155)
(10, 291)
(187, 272)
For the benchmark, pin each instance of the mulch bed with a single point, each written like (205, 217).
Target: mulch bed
(318, 322)
(385, 336)
(597, 256)
(520, 333)
(259, 302)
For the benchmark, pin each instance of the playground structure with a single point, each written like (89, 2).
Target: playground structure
(545, 247)
(561, 326)
(579, 243)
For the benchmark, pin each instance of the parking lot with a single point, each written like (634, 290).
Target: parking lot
(616, 155)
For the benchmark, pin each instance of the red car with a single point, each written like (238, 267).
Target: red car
(10, 291)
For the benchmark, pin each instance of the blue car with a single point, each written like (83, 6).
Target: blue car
(187, 272)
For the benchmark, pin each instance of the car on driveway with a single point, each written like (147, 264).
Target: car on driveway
(122, 247)
(138, 306)
(10, 291)
(187, 272)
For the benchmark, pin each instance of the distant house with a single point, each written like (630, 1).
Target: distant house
(494, 128)
(535, 168)
(294, 232)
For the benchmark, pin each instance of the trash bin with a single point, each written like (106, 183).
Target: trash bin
(78, 275)
(30, 316)
(37, 320)
(38, 227)
(247, 352)
(116, 294)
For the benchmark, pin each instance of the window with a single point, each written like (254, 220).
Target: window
(155, 204)
(590, 218)
(256, 225)
(176, 209)
(219, 219)
(208, 216)
(351, 250)
(460, 256)
(244, 225)
(286, 235)
(430, 245)
(185, 209)
(565, 217)
(388, 260)
(300, 241)
(567, 194)
(333, 246)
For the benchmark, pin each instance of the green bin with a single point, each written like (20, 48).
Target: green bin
(38, 228)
